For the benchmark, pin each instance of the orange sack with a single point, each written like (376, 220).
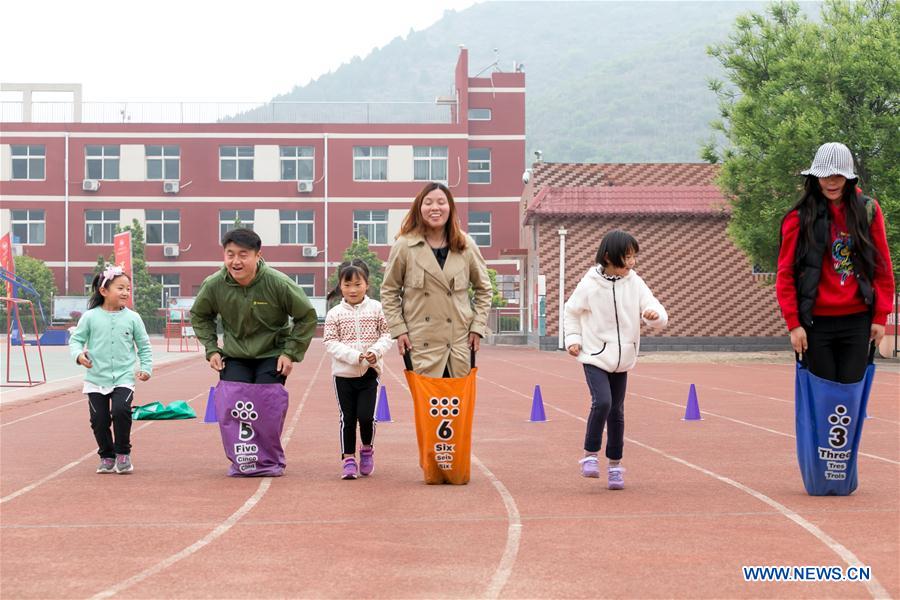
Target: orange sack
(444, 410)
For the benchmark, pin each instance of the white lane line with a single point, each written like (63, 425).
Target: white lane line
(72, 464)
(760, 427)
(227, 524)
(43, 412)
(513, 529)
(876, 590)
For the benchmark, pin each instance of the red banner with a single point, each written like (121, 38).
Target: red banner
(7, 261)
(122, 256)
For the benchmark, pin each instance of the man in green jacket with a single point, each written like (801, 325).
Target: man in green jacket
(254, 301)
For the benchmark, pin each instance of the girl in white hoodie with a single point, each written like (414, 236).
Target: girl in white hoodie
(603, 330)
(356, 336)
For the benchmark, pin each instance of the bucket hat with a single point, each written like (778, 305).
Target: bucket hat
(832, 158)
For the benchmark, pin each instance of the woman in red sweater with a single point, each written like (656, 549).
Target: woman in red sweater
(835, 283)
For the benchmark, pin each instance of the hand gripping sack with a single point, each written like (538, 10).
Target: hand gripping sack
(829, 420)
(251, 418)
(443, 409)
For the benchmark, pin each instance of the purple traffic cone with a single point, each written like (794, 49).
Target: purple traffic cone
(692, 412)
(382, 410)
(210, 416)
(537, 407)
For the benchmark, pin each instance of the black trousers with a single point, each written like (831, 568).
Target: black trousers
(111, 409)
(252, 370)
(838, 347)
(607, 408)
(356, 398)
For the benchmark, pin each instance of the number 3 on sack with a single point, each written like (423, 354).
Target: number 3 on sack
(444, 430)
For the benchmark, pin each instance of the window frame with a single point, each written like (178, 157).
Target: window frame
(471, 118)
(430, 160)
(312, 285)
(480, 162)
(106, 159)
(370, 222)
(238, 159)
(475, 235)
(369, 159)
(27, 158)
(160, 279)
(103, 223)
(164, 161)
(162, 221)
(248, 224)
(28, 221)
(297, 222)
(296, 159)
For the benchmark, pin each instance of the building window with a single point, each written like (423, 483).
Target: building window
(171, 287)
(236, 163)
(297, 226)
(372, 225)
(370, 163)
(297, 163)
(480, 227)
(101, 162)
(163, 162)
(163, 226)
(28, 227)
(28, 162)
(100, 226)
(508, 286)
(306, 281)
(430, 163)
(479, 165)
(479, 114)
(232, 219)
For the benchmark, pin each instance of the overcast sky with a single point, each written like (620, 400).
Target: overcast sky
(215, 50)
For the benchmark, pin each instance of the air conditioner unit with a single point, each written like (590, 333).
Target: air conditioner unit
(90, 185)
(170, 187)
(310, 251)
(304, 186)
(170, 250)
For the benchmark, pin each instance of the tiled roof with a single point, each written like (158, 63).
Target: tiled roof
(632, 200)
(622, 174)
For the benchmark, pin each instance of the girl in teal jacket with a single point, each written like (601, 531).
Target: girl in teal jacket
(104, 343)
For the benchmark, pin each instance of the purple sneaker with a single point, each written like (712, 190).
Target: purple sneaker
(616, 480)
(589, 467)
(366, 460)
(107, 465)
(123, 464)
(350, 470)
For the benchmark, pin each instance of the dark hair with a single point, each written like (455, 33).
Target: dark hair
(346, 271)
(615, 245)
(854, 211)
(413, 223)
(96, 298)
(243, 237)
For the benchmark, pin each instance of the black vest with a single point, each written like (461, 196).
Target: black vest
(808, 264)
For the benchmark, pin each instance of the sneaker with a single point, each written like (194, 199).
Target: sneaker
(350, 470)
(366, 460)
(123, 464)
(616, 480)
(589, 466)
(107, 465)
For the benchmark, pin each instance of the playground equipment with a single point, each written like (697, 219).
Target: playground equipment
(12, 311)
(50, 336)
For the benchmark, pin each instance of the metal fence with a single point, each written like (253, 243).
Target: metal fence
(508, 320)
(230, 112)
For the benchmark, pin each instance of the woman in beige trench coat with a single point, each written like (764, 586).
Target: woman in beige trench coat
(425, 290)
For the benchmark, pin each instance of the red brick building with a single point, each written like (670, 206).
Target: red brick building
(309, 178)
(679, 217)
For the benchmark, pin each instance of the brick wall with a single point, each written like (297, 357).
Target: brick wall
(691, 265)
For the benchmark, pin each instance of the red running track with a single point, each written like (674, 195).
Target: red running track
(702, 499)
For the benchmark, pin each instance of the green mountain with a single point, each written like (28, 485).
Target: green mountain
(606, 81)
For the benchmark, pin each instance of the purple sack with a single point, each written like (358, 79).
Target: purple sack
(251, 417)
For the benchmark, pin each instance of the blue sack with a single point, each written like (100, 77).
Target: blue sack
(829, 418)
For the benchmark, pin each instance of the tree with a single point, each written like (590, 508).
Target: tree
(39, 275)
(497, 298)
(360, 249)
(793, 85)
(147, 291)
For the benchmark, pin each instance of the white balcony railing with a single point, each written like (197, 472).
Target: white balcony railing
(230, 112)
